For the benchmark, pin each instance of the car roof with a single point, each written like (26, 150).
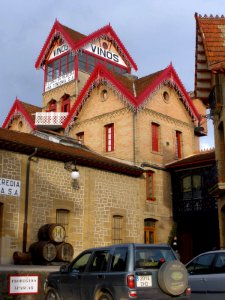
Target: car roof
(134, 245)
(207, 252)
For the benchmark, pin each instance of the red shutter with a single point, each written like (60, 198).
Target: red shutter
(65, 105)
(109, 136)
(178, 144)
(155, 137)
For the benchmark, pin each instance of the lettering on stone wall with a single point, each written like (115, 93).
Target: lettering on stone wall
(9, 187)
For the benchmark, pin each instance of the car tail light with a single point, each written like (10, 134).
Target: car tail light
(188, 291)
(130, 281)
(162, 260)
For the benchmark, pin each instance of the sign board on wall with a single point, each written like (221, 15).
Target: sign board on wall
(59, 50)
(105, 50)
(23, 284)
(9, 187)
(59, 81)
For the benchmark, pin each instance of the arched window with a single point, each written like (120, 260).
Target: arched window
(65, 104)
(52, 105)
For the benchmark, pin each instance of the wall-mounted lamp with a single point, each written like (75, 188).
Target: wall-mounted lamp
(71, 166)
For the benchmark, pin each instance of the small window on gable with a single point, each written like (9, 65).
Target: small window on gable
(155, 137)
(109, 136)
(178, 144)
(150, 186)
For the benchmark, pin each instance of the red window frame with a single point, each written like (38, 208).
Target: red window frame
(150, 186)
(155, 137)
(52, 106)
(109, 137)
(178, 144)
(65, 105)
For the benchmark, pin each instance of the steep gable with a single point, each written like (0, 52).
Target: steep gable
(134, 92)
(77, 42)
(23, 110)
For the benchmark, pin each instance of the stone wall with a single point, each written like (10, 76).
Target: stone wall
(92, 202)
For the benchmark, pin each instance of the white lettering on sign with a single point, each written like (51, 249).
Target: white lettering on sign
(9, 187)
(106, 53)
(59, 50)
(19, 284)
(59, 81)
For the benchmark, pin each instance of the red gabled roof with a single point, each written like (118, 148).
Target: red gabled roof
(135, 91)
(27, 110)
(77, 40)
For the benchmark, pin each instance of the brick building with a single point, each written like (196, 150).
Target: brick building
(210, 87)
(90, 95)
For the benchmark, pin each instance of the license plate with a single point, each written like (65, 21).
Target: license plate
(144, 281)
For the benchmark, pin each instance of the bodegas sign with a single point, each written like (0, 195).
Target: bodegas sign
(23, 284)
(9, 187)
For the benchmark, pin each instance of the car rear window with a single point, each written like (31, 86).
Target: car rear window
(119, 260)
(152, 257)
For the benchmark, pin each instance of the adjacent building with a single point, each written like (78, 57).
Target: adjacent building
(210, 87)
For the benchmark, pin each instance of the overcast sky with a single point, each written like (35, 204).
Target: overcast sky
(155, 33)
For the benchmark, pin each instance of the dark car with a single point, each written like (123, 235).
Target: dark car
(207, 276)
(125, 271)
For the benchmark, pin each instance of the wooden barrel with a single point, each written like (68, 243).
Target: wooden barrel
(64, 252)
(52, 232)
(22, 258)
(42, 252)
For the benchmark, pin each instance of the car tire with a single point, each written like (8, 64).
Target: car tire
(173, 278)
(52, 295)
(104, 296)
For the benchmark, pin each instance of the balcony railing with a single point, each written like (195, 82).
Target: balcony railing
(50, 120)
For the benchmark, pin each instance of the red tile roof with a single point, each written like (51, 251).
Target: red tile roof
(212, 30)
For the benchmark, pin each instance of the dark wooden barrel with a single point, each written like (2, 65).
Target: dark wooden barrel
(22, 258)
(52, 232)
(42, 252)
(64, 252)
